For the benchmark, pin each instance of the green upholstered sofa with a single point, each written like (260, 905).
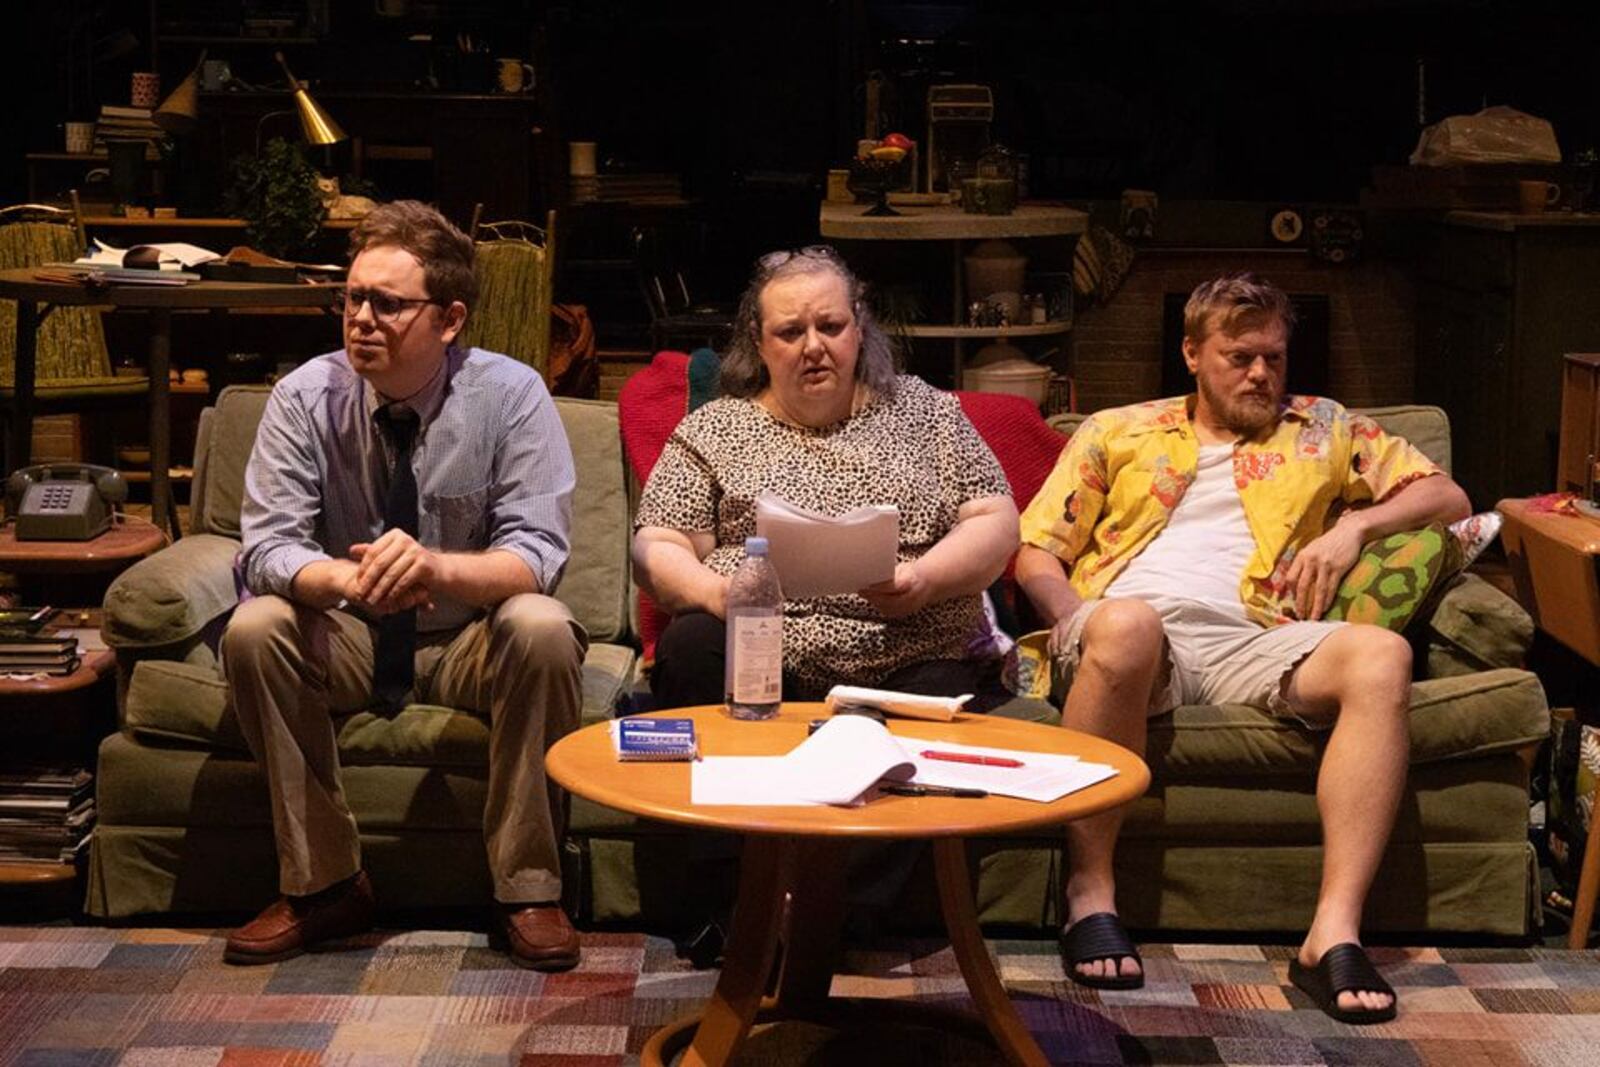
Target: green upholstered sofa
(1227, 838)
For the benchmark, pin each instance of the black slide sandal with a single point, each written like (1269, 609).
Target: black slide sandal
(1344, 968)
(1100, 936)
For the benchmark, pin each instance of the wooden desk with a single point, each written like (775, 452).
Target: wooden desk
(792, 871)
(35, 298)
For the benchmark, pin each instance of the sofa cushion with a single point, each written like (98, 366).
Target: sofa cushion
(1476, 627)
(1451, 718)
(1397, 578)
(1424, 425)
(232, 435)
(187, 703)
(170, 597)
(595, 584)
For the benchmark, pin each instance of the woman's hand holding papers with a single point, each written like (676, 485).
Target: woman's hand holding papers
(907, 593)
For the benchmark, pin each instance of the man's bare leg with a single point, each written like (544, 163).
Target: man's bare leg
(1360, 676)
(1110, 697)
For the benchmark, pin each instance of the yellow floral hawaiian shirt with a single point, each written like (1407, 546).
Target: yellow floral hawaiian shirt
(1124, 471)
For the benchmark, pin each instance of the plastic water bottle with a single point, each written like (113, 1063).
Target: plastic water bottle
(754, 680)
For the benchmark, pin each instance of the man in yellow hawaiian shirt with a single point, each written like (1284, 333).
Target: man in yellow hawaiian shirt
(1184, 551)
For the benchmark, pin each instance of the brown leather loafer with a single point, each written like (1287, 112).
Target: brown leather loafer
(539, 936)
(290, 925)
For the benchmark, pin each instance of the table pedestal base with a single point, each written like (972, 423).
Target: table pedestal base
(784, 943)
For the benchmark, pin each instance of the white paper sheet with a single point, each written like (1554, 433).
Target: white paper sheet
(849, 754)
(821, 555)
(171, 255)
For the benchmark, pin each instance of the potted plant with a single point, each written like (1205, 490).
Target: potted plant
(276, 194)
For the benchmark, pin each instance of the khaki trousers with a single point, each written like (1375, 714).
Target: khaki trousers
(291, 669)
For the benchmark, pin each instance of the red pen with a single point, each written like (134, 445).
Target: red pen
(963, 757)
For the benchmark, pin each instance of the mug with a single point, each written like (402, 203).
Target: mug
(80, 138)
(146, 90)
(514, 75)
(1538, 196)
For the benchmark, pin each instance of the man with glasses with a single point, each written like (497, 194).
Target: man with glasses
(406, 513)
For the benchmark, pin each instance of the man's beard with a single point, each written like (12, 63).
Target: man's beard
(1245, 416)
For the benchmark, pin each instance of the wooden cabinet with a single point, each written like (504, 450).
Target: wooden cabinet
(1500, 300)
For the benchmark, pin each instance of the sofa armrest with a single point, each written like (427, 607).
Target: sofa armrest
(1476, 627)
(170, 597)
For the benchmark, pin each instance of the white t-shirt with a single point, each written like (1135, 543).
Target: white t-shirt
(1206, 545)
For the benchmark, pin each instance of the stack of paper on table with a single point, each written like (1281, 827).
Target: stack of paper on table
(821, 555)
(848, 755)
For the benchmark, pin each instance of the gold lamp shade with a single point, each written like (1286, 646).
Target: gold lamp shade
(180, 111)
(316, 124)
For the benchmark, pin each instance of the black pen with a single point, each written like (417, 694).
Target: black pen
(906, 789)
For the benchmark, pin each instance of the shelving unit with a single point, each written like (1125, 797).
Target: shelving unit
(948, 223)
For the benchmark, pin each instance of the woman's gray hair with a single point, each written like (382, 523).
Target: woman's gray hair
(744, 373)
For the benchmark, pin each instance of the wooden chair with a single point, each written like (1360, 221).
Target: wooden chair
(515, 263)
(73, 370)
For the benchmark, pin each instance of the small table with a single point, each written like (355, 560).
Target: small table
(57, 718)
(35, 298)
(798, 853)
(1555, 562)
(76, 572)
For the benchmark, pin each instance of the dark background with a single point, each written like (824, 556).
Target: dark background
(1228, 100)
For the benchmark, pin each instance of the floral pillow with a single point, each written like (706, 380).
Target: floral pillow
(1399, 578)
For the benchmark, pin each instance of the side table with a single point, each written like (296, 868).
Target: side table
(1555, 562)
(790, 909)
(76, 572)
(57, 719)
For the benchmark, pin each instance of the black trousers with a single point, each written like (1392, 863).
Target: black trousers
(691, 660)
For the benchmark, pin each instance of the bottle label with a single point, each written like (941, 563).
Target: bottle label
(757, 659)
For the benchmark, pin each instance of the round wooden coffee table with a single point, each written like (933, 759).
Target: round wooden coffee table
(792, 870)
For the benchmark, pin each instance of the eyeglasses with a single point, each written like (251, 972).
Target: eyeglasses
(385, 308)
(774, 260)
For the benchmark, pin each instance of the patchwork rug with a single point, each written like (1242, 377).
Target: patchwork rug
(82, 996)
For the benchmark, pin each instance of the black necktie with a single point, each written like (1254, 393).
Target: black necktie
(393, 665)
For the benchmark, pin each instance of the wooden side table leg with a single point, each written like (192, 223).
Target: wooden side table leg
(961, 921)
(765, 871)
(811, 934)
(1588, 886)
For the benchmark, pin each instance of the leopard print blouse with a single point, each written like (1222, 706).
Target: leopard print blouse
(916, 451)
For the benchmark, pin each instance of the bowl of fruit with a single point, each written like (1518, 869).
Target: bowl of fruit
(880, 168)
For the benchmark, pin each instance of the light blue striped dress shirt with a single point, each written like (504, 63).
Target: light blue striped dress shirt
(491, 458)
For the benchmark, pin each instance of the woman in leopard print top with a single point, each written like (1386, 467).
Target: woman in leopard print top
(813, 411)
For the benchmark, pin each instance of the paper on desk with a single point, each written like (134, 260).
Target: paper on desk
(173, 255)
(835, 765)
(1043, 776)
(911, 705)
(821, 555)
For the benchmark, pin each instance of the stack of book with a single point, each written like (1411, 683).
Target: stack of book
(30, 653)
(127, 124)
(46, 813)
